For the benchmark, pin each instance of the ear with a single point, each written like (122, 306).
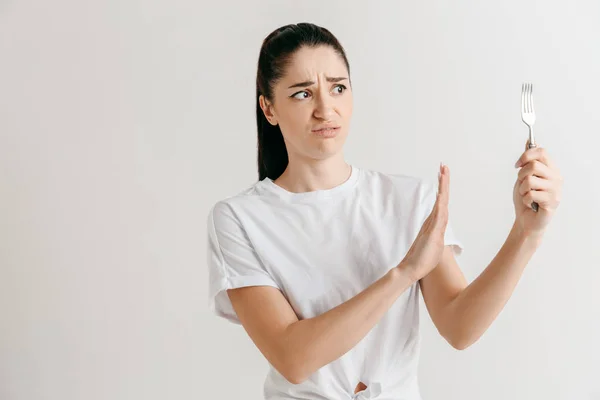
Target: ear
(267, 108)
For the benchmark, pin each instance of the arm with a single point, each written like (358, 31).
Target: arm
(297, 348)
(461, 312)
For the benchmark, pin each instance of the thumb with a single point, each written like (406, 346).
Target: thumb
(527, 145)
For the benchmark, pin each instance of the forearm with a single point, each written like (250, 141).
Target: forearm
(471, 313)
(318, 341)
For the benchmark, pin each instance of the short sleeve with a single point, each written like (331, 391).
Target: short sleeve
(450, 238)
(232, 261)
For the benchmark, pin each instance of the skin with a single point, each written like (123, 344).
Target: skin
(461, 312)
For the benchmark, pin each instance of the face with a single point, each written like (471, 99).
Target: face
(312, 104)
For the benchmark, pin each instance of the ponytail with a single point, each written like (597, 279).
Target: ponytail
(272, 153)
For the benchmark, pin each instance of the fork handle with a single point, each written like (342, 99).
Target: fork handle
(534, 206)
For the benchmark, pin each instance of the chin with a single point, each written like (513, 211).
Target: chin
(328, 147)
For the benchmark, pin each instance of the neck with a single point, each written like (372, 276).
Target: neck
(307, 175)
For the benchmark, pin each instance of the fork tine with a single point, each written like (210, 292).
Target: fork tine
(531, 97)
(532, 110)
(528, 98)
(523, 98)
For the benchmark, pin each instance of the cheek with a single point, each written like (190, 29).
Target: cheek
(349, 111)
(296, 119)
(346, 106)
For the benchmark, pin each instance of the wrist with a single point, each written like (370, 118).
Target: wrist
(526, 238)
(406, 271)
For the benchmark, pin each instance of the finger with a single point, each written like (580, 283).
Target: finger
(534, 183)
(544, 199)
(527, 145)
(443, 186)
(441, 203)
(536, 168)
(536, 153)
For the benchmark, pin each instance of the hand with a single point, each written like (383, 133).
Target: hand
(538, 180)
(426, 251)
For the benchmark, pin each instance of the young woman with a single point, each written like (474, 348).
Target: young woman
(322, 262)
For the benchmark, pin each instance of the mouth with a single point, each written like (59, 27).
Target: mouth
(326, 131)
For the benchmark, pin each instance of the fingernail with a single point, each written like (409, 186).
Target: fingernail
(518, 164)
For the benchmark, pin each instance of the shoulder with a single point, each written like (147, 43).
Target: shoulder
(232, 209)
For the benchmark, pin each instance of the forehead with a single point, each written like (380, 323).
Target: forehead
(308, 62)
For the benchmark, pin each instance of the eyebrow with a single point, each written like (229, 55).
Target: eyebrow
(308, 83)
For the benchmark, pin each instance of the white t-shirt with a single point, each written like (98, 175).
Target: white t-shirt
(321, 248)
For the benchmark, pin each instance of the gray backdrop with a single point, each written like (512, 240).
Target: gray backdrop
(123, 122)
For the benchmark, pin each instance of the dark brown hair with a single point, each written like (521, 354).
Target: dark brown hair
(275, 54)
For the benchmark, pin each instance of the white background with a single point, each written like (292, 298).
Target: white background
(123, 122)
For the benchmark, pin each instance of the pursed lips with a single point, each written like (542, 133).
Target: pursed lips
(321, 128)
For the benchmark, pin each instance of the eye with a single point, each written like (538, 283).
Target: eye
(300, 95)
(339, 89)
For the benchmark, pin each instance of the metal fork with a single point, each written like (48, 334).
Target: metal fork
(528, 117)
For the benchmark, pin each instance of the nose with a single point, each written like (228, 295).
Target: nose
(324, 107)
